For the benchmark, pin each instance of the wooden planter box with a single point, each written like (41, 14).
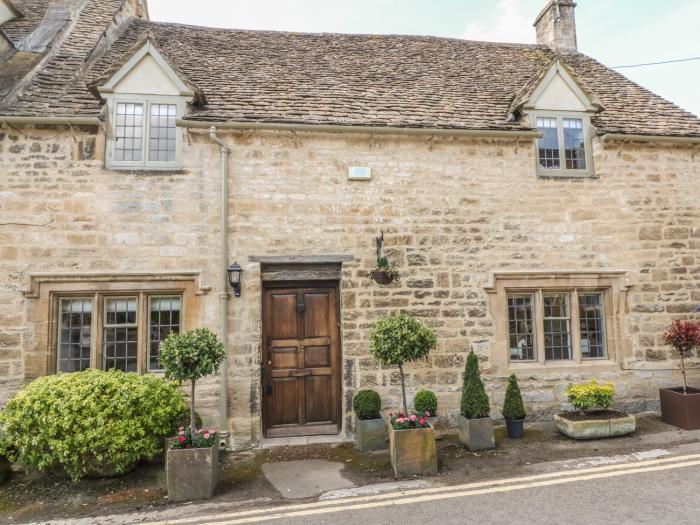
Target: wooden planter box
(413, 451)
(193, 473)
(476, 434)
(679, 409)
(370, 434)
(596, 428)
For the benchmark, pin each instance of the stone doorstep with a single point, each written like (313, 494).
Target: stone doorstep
(305, 440)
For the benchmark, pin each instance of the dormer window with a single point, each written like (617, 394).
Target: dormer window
(144, 100)
(559, 107)
(563, 148)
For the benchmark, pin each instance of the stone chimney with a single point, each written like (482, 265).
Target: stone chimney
(556, 25)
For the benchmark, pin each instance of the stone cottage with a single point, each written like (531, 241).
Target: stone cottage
(541, 209)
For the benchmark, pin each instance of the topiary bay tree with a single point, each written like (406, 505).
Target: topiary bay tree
(189, 356)
(398, 339)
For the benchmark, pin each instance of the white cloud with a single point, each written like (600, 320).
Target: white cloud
(511, 25)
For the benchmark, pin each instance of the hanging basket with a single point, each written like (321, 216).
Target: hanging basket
(381, 277)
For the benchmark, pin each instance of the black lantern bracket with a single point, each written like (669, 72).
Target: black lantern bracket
(235, 273)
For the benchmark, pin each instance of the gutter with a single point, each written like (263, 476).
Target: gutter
(333, 128)
(65, 121)
(610, 137)
(223, 287)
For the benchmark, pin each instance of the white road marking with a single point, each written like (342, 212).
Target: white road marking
(410, 496)
(450, 495)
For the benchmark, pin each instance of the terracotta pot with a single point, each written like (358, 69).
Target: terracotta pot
(413, 451)
(476, 434)
(370, 434)
(381, 277)
(192, 473)
(679, 409)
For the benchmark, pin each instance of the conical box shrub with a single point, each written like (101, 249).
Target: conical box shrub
(475, 402)
(513, 407)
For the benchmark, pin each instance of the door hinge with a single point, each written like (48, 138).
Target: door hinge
(268, 390)
(301, 307)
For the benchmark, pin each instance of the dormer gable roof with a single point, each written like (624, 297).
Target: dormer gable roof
(571, 92)
(146, 48)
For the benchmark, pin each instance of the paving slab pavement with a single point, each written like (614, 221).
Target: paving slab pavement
(306, 478)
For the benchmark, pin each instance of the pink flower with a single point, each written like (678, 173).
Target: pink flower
(427, 414)
(182, 432)
(413, 417)
(181, 429)
(211, 430)
(181, 439)
(206, 435)
(421, 421)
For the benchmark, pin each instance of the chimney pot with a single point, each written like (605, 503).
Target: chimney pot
(556, 25)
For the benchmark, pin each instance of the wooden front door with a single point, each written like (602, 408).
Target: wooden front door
(301, 361)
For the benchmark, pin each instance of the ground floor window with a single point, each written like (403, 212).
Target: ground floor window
(558, 319)
(130, 327)
(561, 324)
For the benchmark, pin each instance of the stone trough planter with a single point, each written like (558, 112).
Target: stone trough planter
(610, 424)
(476, 434)
(370, 434)
(413, 452)
(192, 473)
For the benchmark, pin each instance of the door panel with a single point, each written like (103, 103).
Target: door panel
(301, 369)
(318, 407)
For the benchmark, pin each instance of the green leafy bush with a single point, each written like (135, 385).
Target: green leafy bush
(513, 407)
(591, 396)
(89, 422)
(475, 402)
(425, 401)
(189, 356)
(366, 404)
(398, 339)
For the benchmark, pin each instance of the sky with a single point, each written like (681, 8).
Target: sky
(615, 32)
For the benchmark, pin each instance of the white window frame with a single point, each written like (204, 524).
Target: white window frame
(144, 163)
(563, 172)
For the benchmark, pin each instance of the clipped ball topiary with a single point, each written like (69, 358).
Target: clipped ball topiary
(366, 404)
(398, 339)
(189, 356)
(90, 422)
(425, 401)
(513, 407)
(475, 402)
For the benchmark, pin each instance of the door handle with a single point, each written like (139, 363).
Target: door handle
(300, 373)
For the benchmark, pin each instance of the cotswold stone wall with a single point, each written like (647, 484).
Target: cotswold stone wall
(61, 212)
(452, 210)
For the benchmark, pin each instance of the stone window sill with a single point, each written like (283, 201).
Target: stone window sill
(599, 365)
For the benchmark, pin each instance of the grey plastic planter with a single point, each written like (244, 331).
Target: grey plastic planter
(370, 434)
(476, 434)
(193, 473)
(596, 428)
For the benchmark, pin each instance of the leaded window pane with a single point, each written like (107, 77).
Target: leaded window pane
(128, 132)
(75, 334)
(574, 144)
(548, 144)
(520, 327)
(557, 326)
(164, 319)
(592, 322)
(120, 334)
(161, 145)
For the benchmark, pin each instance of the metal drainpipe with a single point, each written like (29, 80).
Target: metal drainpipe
(223, 286)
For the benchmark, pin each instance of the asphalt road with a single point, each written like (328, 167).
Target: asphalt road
(665, 491)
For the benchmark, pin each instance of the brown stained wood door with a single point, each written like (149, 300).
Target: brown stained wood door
(301, 362)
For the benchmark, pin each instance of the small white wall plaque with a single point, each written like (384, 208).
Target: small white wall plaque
(359, 173)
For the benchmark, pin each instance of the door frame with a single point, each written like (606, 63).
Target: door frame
(338, 373)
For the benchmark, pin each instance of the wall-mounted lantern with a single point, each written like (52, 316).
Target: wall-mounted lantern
(234, 277)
